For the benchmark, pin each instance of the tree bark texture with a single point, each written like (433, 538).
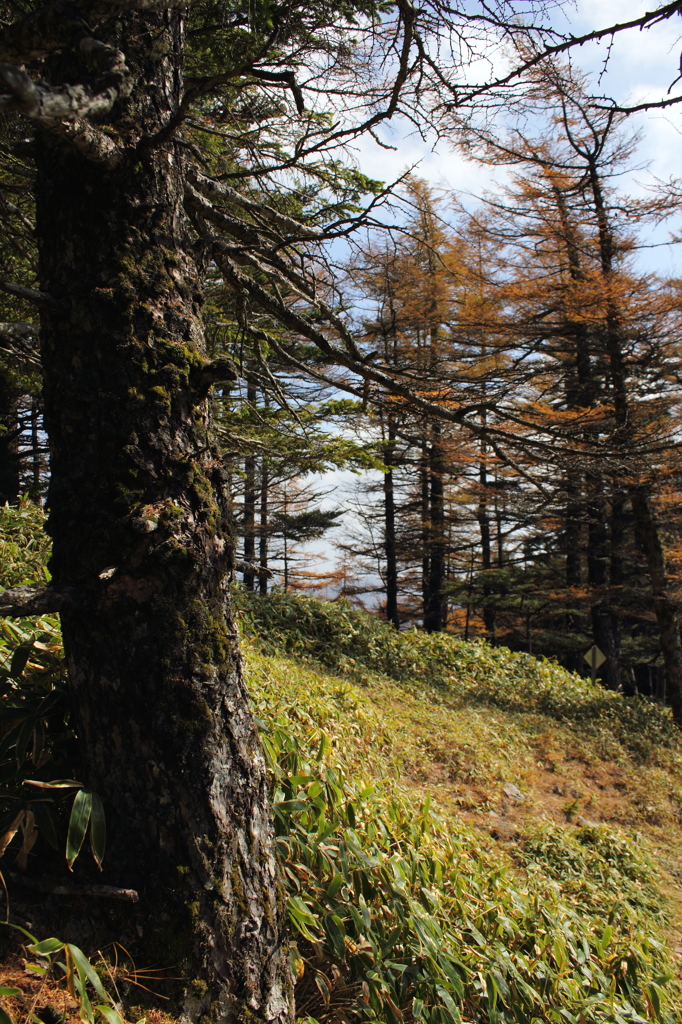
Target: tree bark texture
(139, 519)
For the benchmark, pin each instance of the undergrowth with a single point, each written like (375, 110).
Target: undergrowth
(343, 638)
(400, 914)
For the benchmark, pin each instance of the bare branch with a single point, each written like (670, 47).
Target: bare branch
(32, 295)
(25, 601)
(241, 566)
(653, 105)
(18, 331)
(111, 892)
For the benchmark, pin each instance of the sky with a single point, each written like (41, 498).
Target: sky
(641, 66)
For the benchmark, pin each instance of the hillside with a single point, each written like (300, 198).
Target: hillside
(467, 834)
(548, 866)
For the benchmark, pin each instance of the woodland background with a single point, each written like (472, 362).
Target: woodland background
(514, 521)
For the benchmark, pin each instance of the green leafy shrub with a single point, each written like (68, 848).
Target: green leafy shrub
(349, 640)
(54, 957)
(398, 915)
(24, 546)
(398, 918)
(37, 741)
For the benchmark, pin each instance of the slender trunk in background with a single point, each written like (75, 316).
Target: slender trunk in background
(425, 533)
(390, 551)
(500, 531)
(139, 521)
(434, 608)
(582, 389)
(665, 611)
(286, 549)
(9, 433)
(598, 559)
(249, 515)
(470, 594)
(573, 544)
(36, 460)
(263, 538)
(483, 517)
(616, 544)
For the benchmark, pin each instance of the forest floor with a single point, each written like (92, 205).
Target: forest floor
(500, 773)
(519, 787)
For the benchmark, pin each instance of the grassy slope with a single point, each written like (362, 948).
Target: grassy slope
(562, 906)
(599, 823)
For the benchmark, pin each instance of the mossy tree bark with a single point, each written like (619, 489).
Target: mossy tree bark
(138, 512)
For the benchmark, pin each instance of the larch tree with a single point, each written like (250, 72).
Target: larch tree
(600, 339)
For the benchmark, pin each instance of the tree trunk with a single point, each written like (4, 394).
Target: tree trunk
(434, 610)
(604, 623)
(483, 517)
(138, 514)
(390, 550)
(249, 513)
(425, 530)
(645, 524)
(9, 432)
(36, 459)
(666, 613)
(263, 539)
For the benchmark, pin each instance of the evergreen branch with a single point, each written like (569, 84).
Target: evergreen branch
(218, 190)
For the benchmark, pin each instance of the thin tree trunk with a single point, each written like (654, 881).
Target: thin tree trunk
(434, 607)
(36, 461)
(582, 388)
(598, 555)
(138, 514)
(425, 531)
(249, 512)
(666, 615)
(263, 539)
(573, 544)
(9, 432)
(470, 594)
(390, 550)
(500, 531)
(486, 547)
